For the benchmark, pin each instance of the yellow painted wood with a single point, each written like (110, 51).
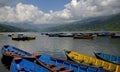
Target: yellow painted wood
(93, 61)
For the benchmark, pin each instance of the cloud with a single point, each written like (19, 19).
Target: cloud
(75, 10)
(90, 8)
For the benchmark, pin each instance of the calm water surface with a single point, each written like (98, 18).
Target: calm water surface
(54, 46)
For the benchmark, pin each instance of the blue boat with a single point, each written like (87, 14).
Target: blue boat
(105, 33)
(54, 64)
(22, 65)
(107, 57)
(15, 50)
(9, 52)
(67, 65)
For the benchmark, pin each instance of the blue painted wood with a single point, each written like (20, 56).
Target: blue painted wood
(15, 50)
(69, 65)
(107, 57)
(23, 65)
(44, 61)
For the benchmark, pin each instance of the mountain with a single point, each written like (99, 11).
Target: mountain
(31, 27)
(111, 22)
(8, 28)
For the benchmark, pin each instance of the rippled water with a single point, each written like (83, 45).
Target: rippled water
(54, 46)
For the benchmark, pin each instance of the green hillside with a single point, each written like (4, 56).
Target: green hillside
(111, 23)
(7, 28)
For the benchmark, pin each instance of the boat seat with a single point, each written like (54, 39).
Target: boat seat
(112, 67)
(118, 60)
(50, 65)
(87, 63)
(92, 60)
(105, 65)
(58, 68)
(80, 58)
(70, 70)
(117, 68)
(84, 67)
(79, 61)
(106, 56)
(102, 55)
(11, 54)
(76, 57)
(98, 62)
(113, 58)
(91, 69)
(87, 60)
(102, 70)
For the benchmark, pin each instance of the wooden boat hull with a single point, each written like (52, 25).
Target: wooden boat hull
(107, 57)
(16, 38)
(31, 37)
(58, 65)
(90, 61)
(65, 35)
(24, 38)
(6, 61)
(23, 65)
(105, 35)
(9, 52)
(83, 37)
(68, 65)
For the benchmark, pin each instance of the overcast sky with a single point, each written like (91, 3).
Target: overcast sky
(55, 11)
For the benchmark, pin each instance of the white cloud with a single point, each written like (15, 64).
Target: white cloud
(75, 10)
(27, 13)
(74, 2)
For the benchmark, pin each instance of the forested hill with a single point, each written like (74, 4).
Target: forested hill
(111, 23)
(8, 28)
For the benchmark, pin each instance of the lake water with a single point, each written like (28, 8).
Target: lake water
(54, 46)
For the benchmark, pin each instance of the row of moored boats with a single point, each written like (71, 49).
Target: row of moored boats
(82, 35)
(22, 61)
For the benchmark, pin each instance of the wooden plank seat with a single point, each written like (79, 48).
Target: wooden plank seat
(12, 54)
(50, 65)
(58, 68)
(54, 68)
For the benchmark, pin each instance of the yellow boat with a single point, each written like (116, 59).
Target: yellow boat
(87, 60)
(31, 37)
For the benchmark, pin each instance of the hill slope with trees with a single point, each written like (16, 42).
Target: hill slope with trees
(8, 28)
(111, 23)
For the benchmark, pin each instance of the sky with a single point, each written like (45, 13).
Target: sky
(55, 11)
(47, 5)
